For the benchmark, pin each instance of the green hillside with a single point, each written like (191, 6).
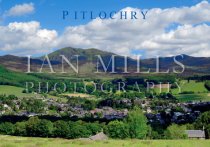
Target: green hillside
(196, 87)
(8, 77)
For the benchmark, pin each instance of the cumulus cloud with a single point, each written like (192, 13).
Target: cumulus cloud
(19, 10)
(164, 32)
(186, 39)
(26, 38)
(149, 35)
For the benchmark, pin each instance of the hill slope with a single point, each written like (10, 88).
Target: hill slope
(85, 54)
(8, 77)
(88, 60)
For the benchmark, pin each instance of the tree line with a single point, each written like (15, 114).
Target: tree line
(134, 126)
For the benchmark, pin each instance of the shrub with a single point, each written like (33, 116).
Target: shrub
(7, 128)
(20, 129)
(176, 132)
(118, 129)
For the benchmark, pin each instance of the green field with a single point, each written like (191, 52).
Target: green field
(12, 90)
(17, 91)
(196, 87)
(193, 97)
(192, 86)
(9, 141)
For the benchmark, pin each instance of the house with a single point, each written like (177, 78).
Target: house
(195, 134)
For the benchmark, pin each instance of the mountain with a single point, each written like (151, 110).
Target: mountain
(88, 60)
(16, 63)
(192, 64)
(85, 54)
(87, 57)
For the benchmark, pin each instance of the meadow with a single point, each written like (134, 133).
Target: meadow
(193, 97)
(11, 141)
(13, 90)
(195, 91)
(196, 87)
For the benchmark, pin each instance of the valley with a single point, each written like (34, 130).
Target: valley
(108, 102)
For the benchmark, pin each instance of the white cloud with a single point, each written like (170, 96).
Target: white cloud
(186, 39)
(150, 35)
(26, 38)
(19, 10)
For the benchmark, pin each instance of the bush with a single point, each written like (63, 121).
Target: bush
(94, 128)
(45, 128)
(78, 130)
(187, 92)
(207, 85)
(61, 129)
(39, 128)
(176, 132)
(203, 121)
(118, 129)
(7, 128)
(20, 129)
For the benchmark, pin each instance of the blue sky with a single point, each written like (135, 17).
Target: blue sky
(49, 12)
(172, 27)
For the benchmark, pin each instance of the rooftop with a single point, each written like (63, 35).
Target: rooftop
(195, 133)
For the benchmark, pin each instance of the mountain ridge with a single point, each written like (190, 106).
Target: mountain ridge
(87, 57)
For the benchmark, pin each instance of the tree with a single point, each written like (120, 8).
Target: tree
(203, 121)
(7, 128)
(207, 85)
(39, 128)
(61, 129)
(118, 129)
(176, 132)
(93, 127)
(45, 128)
(35, 105)
(89, 105)
(137, 123)
(32, 126)
(20, 129)
(78, 130)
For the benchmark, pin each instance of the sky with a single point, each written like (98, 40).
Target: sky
(32, 27)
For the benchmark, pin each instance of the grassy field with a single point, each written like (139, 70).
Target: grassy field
(10, 141)
(17, 91)
(200, 93)
(196, 87)
(193, 97)
(12, 90)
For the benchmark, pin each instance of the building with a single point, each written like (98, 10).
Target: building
(195, 134)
